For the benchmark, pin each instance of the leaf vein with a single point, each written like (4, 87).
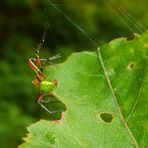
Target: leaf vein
(115, 99)
(135, 104)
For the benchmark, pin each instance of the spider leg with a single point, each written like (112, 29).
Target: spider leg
(51, 63)
(40, 75)
(54, 57)
(39, 101)
(52, 95)
(50, 59)
(39, 98)
(42, 60)
(51, 112)
(48, 101)
(33, 66)
(39, 62)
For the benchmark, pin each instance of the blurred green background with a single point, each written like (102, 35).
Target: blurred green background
(22, 24)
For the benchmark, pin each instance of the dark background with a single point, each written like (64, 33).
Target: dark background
(22, 24)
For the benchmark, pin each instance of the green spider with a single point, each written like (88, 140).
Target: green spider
(45, 87)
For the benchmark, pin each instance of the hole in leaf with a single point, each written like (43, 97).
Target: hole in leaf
(106, 117)
(145, 125)
(130, 66)
(55, 106)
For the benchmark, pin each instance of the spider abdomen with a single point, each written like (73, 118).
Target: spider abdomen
(46, 87)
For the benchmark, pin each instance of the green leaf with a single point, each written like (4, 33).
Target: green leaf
(105, 93)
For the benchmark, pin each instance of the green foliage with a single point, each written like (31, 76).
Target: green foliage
(16, 94)
(13, 120)
(105, 93)
(21, 28)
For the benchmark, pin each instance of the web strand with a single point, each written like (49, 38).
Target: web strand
(122, 20)
(43, 38)
(128, 16)
(49, 2)
(140, 26)
(116, 6)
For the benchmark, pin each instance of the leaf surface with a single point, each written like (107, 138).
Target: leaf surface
(105, 93)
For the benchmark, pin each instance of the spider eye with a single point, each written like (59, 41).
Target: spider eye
(51, 84)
